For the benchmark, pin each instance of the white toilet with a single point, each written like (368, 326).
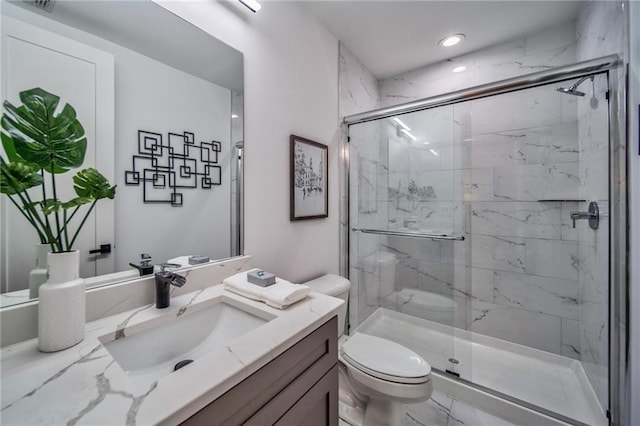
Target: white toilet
(377, 376)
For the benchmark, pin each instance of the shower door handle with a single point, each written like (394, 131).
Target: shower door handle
(592, 215)
(409, 234)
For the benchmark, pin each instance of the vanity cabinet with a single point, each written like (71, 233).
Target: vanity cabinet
(300, 386)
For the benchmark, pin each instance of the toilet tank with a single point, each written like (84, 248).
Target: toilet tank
(336, 286)
(379, 275)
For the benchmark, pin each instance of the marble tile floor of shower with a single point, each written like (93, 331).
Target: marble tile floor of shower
(551, 381)
(445, 410)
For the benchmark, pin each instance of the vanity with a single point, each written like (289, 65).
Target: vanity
(250, 364)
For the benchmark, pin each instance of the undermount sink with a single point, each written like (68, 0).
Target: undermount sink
(150, 350)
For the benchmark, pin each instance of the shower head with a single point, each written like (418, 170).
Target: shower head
(572, 89)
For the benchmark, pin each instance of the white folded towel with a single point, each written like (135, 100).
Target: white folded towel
(278, 295)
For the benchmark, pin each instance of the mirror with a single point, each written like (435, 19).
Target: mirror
(161, 102)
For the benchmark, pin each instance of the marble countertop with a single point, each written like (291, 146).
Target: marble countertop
(85, 385)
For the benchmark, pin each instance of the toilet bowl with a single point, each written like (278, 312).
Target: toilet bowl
(384, 376)
(376, 376)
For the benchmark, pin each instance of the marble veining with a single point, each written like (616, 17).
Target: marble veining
(121, 327)
(183, 309)
(499, 253)
(103, 385)
(549, 296)
(516, 219)
(85, 358)
(84, 384)
(445, 410)
(435, 411)
(358, 88)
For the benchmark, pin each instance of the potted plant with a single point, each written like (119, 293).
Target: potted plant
(39, 145)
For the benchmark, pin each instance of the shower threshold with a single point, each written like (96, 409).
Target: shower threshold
(511, 375)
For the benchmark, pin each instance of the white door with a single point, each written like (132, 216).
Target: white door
(83, 77)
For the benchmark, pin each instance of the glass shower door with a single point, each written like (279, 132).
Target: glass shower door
(404, 226)
(463, 247)
(538, 292)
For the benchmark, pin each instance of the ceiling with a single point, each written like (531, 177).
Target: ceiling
(393, 37)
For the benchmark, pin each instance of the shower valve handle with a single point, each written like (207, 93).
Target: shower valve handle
(592, 215)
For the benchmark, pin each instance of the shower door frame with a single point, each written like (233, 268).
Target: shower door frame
(615, 71)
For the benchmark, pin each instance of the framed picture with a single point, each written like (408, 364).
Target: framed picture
(309, 180)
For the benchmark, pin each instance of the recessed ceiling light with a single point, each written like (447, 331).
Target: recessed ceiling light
(459, 68)
(451, 40)
(234, 115)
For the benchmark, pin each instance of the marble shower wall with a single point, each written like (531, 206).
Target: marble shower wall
(497, 180)
(368, 164)
(550, 48)
(600, 32)
(357, 87)
(358, 92)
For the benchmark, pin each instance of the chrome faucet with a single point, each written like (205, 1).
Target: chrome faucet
(592, 215)
(165, 279)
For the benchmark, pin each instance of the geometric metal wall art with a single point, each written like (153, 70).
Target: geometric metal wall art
(164, 167)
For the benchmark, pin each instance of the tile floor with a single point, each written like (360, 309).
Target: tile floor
(444, 410)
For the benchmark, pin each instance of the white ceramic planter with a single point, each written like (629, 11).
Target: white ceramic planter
(61, 308)
(38, 275)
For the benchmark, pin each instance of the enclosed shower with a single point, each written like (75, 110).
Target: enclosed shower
(479, 236)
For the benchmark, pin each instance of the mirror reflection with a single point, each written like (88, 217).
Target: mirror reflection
(161, 104)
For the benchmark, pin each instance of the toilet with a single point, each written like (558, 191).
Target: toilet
(377, 376)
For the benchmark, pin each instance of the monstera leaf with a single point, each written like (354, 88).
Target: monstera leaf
(18, 177)
(90, 183)
(37, 138)
(55, 143)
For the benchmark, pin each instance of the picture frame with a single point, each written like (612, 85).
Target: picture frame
(308, 179)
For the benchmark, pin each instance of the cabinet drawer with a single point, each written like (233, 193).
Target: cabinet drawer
(317, 407)
(318, 352)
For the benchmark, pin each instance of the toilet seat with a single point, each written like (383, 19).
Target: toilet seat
(384, 359)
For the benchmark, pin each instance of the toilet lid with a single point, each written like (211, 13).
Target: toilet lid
(385, 359)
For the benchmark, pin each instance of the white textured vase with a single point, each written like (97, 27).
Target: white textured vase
(38, 275)
(61, 308)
